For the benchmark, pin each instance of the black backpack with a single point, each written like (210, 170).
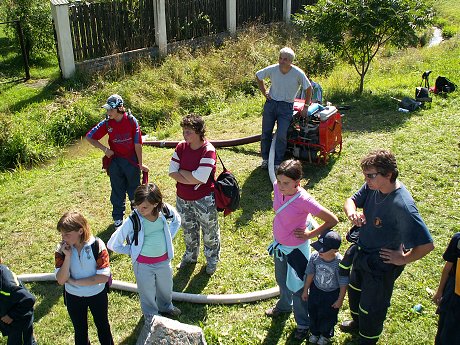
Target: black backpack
(95, 250)
(134, 217)
(226, 191)
(443, 85)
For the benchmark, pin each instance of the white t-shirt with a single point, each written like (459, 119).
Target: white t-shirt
(284, 87)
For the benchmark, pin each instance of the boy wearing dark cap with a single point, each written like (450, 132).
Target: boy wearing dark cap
(324, 288)
(124, 153)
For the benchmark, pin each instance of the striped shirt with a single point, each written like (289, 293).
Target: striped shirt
(201, 162)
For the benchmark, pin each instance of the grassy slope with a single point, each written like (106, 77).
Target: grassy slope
(426, 144)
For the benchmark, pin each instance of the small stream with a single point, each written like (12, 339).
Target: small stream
(436, 38)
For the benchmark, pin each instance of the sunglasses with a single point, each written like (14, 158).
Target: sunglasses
(371, 176)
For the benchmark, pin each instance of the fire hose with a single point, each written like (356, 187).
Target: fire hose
(182, 296)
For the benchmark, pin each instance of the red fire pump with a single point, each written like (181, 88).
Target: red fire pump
(315, 137)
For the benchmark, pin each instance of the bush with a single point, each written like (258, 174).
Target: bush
(203, 103)
(449, 31)
(19, 149)
(74, 123)
(315, 59)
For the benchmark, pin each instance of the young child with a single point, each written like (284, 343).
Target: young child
(84, 277)
(324, 287)
(124, 152)
(291, 246)
(16, 309)
(151, 253)
(447, 297)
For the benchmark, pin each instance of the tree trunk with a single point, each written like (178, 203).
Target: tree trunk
(361, 84)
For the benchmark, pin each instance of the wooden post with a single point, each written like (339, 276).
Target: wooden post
(231, 15)
(161, 38)
(23, 49)
(287, 11)
(60, 13)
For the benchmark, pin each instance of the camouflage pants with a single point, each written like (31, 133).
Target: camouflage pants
(195, 214)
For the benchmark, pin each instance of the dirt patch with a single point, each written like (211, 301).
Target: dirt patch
(37, 83)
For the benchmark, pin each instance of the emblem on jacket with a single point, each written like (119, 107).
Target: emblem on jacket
(378, 222)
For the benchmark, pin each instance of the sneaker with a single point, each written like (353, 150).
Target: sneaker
(348, 326)
(211, 269)
(264, 164)
(301, 333)
(313, 339)
(185, 263)
(323, 340)
(275, 312)
(173, 312)
(117, 223)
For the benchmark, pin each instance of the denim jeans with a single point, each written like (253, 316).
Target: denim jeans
(281, 113)
(290, 300)
(124, 179)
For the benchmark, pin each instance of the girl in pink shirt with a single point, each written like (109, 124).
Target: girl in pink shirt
(292, 230)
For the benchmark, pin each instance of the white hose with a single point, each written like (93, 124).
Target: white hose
(177, 296)
(271, 159)
(182, 296)
(271, 173)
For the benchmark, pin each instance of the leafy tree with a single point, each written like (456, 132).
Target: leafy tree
(359, 28)
(36, 23)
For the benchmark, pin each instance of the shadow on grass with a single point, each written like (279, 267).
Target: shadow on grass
(105, 235)
(182, 277)
(50, 293)
(371, 113)
(255, 195)
(276, 329)
(48, 92)
(314, 173)
(244, 150)
(132, 338)
(192, 312)
(182, 281)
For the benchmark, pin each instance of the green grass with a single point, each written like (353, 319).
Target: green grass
(425, 142)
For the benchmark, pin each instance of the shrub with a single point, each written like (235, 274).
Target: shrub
(74, 123)
(315, 59)
(19, 149)
(449, 31)
(203, 103)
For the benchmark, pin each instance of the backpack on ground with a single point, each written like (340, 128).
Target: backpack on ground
(422, 93)
(444, 85)
(409, 104)
(134, 217)
(226, 191)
